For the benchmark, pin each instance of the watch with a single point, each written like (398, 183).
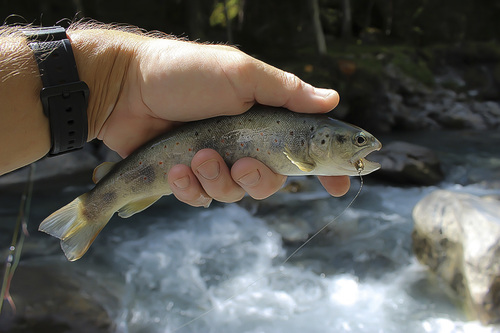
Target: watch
(64, 97)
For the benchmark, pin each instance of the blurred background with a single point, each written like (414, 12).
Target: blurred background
(389, 59)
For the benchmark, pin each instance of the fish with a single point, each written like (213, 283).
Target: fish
(289, 143)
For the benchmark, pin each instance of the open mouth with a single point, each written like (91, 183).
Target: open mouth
(362, 165)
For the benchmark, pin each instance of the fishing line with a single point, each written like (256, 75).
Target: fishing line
(326, 225)
(245, 288)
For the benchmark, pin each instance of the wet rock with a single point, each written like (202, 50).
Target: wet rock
(460, 115)
(458, 237)
(407, 163)
(48, 301)
(490, 111)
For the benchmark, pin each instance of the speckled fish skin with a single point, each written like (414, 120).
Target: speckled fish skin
(287, 142)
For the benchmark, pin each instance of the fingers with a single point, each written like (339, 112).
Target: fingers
(337, 186)
(215, 177)
(186, 188)
(256, 178)
(209, 177)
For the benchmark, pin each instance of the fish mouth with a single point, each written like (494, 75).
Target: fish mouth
(362, 165)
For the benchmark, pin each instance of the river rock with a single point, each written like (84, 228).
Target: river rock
(407, 163)
(458, 237)
(48, 300)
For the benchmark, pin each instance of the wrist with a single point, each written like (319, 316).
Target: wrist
(103, 58)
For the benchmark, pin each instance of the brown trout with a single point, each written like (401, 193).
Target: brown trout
(289, 143)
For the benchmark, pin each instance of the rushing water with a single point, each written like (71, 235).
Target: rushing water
(174, 268)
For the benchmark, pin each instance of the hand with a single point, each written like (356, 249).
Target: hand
(169, 81)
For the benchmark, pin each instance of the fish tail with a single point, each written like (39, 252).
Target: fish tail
(72, 227)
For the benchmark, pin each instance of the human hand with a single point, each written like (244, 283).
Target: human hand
(165, 82)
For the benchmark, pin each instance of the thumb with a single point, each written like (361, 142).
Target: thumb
(275, 87)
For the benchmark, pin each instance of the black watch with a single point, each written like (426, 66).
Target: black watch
(64, 97)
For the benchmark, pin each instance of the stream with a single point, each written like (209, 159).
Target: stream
(175, 268)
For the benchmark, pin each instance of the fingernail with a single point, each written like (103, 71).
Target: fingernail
(182, 183)
(209, 170)
(250, 179)
(204, 201)
(325, 93)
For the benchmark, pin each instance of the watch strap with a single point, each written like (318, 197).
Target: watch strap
(64, 97)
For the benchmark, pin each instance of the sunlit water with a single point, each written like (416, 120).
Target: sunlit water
(180, 269)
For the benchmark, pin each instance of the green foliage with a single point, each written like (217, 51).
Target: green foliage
(218, 17)
(414, 67)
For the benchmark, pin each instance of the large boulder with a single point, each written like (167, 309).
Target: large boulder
(407, 163)
(458, 237)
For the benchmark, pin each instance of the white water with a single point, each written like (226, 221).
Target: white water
(225, 265)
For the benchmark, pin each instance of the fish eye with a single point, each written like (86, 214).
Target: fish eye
(360, 139)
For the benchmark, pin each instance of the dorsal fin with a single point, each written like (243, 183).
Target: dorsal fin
(102, 170)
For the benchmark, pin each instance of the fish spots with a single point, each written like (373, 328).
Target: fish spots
(222, 141)
(291, 133)
(275, 140)
(140, 162)
(302, 142)
(177, 143)
(242, 144)
(257, 149)
(147, 175)
(190, 149)
(196, 133)
(278, 122)
(340, 138)
(323, 141)
(312, 129)
(160, 163)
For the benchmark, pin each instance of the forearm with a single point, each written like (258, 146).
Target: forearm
(102, 58)
(24, 129)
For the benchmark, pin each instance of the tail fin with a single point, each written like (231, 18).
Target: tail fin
(73, 229)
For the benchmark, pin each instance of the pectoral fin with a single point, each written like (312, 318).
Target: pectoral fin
(305, 166)
(137, 206)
